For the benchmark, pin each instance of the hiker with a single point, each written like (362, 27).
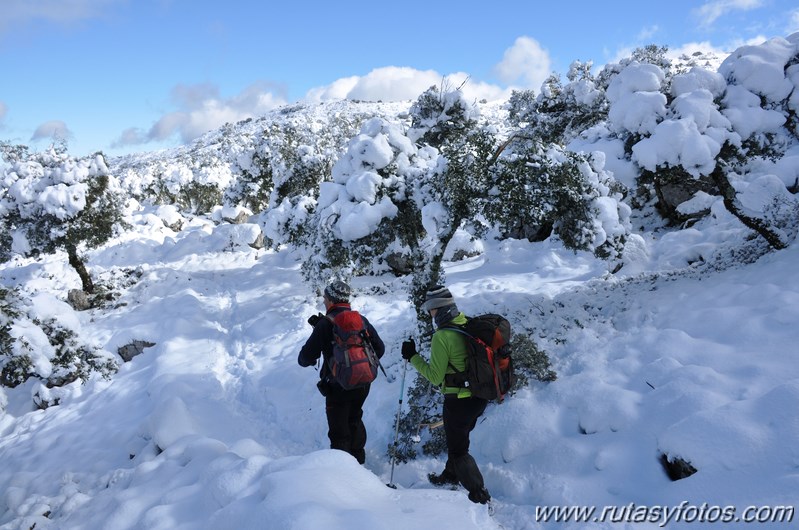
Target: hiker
(344, 408)
(448, 352)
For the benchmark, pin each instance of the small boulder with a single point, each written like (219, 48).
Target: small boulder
(129, 351)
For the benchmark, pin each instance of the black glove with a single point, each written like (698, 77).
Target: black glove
(408, 349)
(313, 319)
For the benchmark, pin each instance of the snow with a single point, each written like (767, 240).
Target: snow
(688, 351)
(216, 426)
(746, 114)
(634, 97)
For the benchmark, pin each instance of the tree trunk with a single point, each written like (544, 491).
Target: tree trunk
(80, 268)
(732, 204)
(427, 275)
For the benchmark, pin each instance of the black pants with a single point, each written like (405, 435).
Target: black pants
(460, 418)
(346, 430)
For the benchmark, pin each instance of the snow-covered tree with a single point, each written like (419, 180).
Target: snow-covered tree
(50, 200)
(560, 112)
(366, 219)
(757, 172)
(452, 196)
(637, 95)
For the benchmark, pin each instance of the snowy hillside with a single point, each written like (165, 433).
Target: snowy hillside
(684, 352)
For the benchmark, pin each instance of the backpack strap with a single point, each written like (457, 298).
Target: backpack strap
(457, 379)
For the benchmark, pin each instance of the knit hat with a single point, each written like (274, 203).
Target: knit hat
(439, 298)
(436, 297)
(338, 292)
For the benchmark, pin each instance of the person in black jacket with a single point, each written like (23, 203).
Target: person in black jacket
(344, 408)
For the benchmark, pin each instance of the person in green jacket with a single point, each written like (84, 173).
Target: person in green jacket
(461, 409)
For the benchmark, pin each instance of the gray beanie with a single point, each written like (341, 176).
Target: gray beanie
(437, 297)
(338, 292)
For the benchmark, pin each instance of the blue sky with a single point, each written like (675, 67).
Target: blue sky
(137, 75)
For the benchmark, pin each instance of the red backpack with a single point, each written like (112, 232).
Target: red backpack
(354, 362)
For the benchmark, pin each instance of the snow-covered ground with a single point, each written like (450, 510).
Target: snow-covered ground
(216, 426)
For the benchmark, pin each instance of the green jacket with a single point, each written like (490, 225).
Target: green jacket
(447, 356)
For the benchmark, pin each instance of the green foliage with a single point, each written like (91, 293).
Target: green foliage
(192, 197)
(303, 166)
(571, 200)
(11, 368)
(254, 186)
(100, 219)
(439, 115)
(521, 205)
(444, 120)
(15, 370)
(70, 358)
(521, 108)
(467, 174)
(537, 194)
(73, 359)
(561, 112)
(331, 259)
(530, 362)
(652, 54)
(198, 198)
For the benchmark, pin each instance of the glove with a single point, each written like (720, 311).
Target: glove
(408, 349)
(313, 319)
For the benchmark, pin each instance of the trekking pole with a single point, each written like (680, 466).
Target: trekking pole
(396, 427)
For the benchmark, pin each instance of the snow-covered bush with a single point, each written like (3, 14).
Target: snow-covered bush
(298, 165)
(451, 197)
(193, 185)
(395, 197)
(40, 339)
(537, 192)
(686, 131)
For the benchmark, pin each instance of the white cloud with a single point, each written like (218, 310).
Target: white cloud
(709, 12)
(336, 90)
(525, 62)
(201, 109)
(52, 130)
(3, 111)
(647, 34)
(402, 83)
(394, 83)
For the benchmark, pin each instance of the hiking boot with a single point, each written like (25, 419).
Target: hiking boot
(480, 496)
(445, 478)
